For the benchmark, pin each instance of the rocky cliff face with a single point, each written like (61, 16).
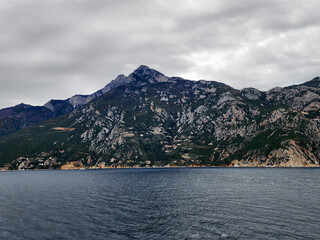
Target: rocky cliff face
(149, 119)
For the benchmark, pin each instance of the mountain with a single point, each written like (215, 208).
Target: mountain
(154, 120)
(20, 116)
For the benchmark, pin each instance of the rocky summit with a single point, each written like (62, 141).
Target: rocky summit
(147, 119)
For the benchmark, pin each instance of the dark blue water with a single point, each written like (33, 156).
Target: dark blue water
(215, 203)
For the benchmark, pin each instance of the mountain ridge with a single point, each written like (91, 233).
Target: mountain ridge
(14, 121)
(150, 119)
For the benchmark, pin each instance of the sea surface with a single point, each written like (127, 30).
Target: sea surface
(173, 203)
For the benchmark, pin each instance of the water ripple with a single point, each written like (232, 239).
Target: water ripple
(161, 204)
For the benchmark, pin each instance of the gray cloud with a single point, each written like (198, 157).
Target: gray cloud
(55, 49)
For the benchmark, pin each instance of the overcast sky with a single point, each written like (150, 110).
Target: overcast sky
(58, 48)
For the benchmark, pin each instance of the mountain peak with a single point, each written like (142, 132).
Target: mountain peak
(142, 68)
(145, 70)
(22, 106)
(144, 73)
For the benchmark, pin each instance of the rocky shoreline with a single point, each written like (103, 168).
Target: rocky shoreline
(234, 164)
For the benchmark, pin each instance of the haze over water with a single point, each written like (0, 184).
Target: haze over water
(177, 203)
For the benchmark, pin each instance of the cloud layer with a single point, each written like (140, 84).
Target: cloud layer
(56, 48)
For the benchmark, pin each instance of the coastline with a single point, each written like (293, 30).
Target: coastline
(154, 167)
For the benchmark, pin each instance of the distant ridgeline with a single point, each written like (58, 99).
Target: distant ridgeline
(148, 119)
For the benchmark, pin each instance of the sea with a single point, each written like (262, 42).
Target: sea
(161, 203)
